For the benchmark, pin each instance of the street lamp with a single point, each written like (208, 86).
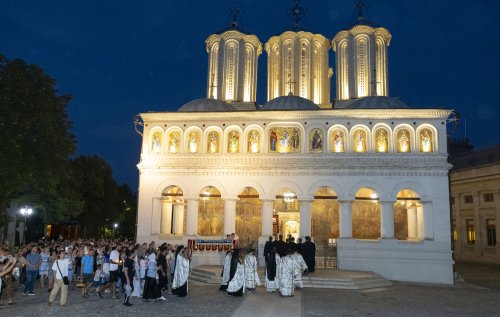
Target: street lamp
(115, 226)
(25, 212)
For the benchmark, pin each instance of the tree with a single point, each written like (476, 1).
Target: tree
(127, 216)
(35, 140)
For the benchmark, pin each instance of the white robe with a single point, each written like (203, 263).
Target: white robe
(251, 275)
(137, 280)
(299, 267)
(286, 276)
(227, 267)
(238, 280)
(181, 272)
(272, 286)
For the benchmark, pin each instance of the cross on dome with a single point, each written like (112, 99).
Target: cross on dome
(297, 12)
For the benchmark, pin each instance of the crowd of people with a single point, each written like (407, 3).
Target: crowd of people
(285, 265)
(117, 267)
(147, 271)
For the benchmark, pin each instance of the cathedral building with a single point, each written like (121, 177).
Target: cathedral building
(364, 174)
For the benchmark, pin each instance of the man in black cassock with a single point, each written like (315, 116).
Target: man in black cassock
(308, 253)
(268, 247)
(280, 246)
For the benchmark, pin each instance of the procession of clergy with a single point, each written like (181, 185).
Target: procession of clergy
(284, 268)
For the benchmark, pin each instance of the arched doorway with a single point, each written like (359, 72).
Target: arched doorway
(211, 212)
(286, 214)
(248, 218)
(366, 214)
(325, 226)
(408, 216)
(172, 211)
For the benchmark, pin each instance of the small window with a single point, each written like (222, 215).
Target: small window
(488, 198)
(471, 231)
(468, 199)
(491, 232)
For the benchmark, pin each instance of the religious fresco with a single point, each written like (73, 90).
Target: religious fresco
(253, 141)
(324, 220)
(211, 217)
(194, 142)
(284, 140)
(233, 144)
(425, 140)
(316, 141)
(381, 140)
(248, 218)
(359, 141)
(174, 141)
(400, 221)
(337, 138)
(213, 142)
(156, 143)
(403, 140)
(366, 215)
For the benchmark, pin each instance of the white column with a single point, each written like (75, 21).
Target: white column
(305, 218)
(412, 222)
(345, 218)
(229, 216)
(179, 219)
(387, 220)
(192, 217)
(428, 222)
(267, 218)
(420, 223)
(156, 216)
(166, 217)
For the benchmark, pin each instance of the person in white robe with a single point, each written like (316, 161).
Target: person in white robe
(299, 267)
(251, 274)
(181, 272)
(272, 271)
(236, 284)
(225, 270)
(287, 265)
(137, 292)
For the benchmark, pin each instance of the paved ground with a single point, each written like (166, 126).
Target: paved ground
(479, 295)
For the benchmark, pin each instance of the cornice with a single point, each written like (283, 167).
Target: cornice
(380, 114)
(299, 164)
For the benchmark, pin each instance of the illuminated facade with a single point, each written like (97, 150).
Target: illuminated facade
(370, 175)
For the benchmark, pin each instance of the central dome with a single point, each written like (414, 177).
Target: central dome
(289, 102)
(377, 102)
(206, 105)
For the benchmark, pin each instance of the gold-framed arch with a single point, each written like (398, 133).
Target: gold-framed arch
(210, 212)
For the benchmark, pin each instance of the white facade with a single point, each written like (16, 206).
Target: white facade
(304, 172)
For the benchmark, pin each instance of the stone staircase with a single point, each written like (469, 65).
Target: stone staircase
(322, 278)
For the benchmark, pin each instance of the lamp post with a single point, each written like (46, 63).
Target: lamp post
(115, 226)
(25, 212)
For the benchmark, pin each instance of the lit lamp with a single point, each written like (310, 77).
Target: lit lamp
(115, 226)
(25, 212)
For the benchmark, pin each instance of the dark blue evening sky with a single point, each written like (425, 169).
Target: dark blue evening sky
(120, 58)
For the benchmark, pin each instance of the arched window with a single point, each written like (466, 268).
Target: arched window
(174, 142)
(359, 141)
(156, 142)
(231, 71)
(233, 142)
(211, 212)
(403, 142)
(366, 214)
(381, 140)
(248, 217)
(337, 139)
(316, 141)
(362, 66)
(408, 216)
(253, 141)
(426, 140)
(172, 211)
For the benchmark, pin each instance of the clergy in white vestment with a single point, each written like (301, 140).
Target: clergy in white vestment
(137, 292)
(181, 272)
(299, 267)
(251, 275)
(225, 270)
(272, 271)
(236, 283)
(286, 275)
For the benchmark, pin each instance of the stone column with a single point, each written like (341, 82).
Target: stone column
(267, 218)
(387, 220)
(179, 219)
(412, 222)
(305, 218)
(428, 221)
(345, 218)
(192, 217)
(229, 216)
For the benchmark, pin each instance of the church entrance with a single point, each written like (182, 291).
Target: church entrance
(287, 214)
(248, 218)
(325, 226)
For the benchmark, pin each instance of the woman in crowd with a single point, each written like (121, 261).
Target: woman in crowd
(7, 266)
(51, 277)
(44, 266)
(151, 288)
(181, 272)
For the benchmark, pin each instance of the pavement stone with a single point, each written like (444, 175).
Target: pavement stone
(478, 295)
